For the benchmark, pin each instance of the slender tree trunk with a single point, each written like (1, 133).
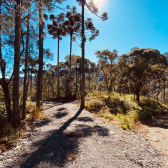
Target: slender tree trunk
(26, 60)
(89, 79)
(3, 82)
(124, 91)
(70, 65)
(76, 80)
(52, 91)
(92, 82)
(83, 57)
(164, 87)
(58, 71)
(31, 84)
(42, 39)
(39, 89)
(48, 92)
(158, 91)
(138, 95)
(5, 87)
(16, 110)
(80, 75)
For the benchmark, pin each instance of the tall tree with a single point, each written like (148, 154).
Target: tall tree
(16, 110)
(92, 7)
(26, 63)
(72, 26)
(57, 29)
(142, 65)
(93, 66)
(107, 66)
(40, 71)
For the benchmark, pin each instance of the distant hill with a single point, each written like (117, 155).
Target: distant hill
(166, 53)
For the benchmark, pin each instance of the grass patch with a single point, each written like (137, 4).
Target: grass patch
(93, 105)
(9, 135)
(124, 110)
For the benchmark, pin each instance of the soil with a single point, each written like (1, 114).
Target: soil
(71, 137)
(156, 131)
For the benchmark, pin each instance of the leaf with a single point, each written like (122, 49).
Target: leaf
(126, 154)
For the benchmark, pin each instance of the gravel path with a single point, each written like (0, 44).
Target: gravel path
(156, 133)
(74, 138)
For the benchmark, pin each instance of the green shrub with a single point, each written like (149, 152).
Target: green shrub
(124, 109)
(6, 129)
(2, 96)
(93, 106)
(30, 106)
(126, 125)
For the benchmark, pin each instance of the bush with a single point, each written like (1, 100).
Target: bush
(30, 106)
(6, 129)
(93, 106)
(36, 113)
(2, 96)
(126, 125)
(33, 95)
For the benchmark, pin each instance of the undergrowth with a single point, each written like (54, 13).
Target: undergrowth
(123, 110)
(8, 134)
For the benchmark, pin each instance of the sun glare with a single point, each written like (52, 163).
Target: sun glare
(98, 3)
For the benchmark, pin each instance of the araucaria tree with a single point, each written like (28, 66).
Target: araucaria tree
(16, 109)
(72, 26)
(92, 7)
(57, 30)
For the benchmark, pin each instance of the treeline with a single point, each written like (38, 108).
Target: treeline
(143, 71)
(23, 27)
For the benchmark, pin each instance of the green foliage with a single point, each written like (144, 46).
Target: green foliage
(126, 125)
(33, 95)
(2, 109)
(94, 105)
(2, 96)
(124, 111)
(151, 108)
(6, 129)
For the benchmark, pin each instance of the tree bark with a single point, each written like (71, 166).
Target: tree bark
(25, 90)
(76, 80)
(39, 89)
(80, 75)
(5, 87)
(92, 83)
(158, 91)
(31, 84)
(83, 56)
(70, 65)
(89, 79)
(42, 39)
(164, 87)
(138, 95)
(3, 81)
(58, 71)
(16, 110)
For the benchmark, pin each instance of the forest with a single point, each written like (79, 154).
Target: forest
(130, 87)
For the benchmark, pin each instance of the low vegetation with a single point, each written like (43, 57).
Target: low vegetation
(8, 134)
(124, 110)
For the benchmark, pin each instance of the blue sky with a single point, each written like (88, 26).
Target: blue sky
(131, 23)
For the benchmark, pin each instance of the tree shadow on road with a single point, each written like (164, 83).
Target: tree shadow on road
(60, 148)
(159, 121)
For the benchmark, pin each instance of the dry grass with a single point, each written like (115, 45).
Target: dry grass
(123, 110)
